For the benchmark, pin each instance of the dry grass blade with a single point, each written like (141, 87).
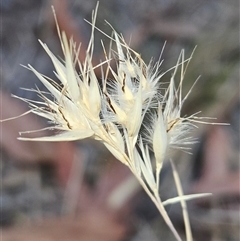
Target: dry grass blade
(183, 202)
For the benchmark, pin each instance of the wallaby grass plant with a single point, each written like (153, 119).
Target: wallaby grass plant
(133, 114)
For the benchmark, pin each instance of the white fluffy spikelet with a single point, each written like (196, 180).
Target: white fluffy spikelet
(160, 139)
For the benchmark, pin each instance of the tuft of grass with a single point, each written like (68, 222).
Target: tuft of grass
(132, 115)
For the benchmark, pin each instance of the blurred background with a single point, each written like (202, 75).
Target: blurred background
(77, 190)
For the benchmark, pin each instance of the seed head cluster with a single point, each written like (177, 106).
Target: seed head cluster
(129, 109)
